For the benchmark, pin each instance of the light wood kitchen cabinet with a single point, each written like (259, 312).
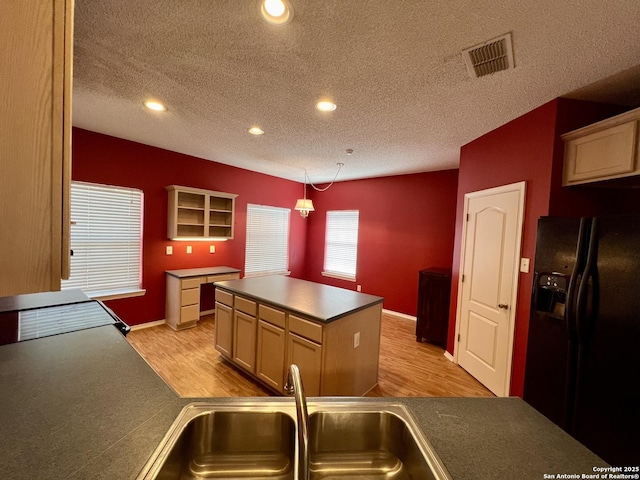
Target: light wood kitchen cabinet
(224, 329)
(307, 355)
(244, 340)
(36, 40)
(183, 293)
(270, 362)
(183, 302)
(603, 151)
(197, 214)
(336, 350)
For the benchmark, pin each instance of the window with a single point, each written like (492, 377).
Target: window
(106, 240)
(341, 244)
(267, 249)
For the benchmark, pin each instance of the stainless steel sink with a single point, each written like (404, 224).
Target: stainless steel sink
(257, 439)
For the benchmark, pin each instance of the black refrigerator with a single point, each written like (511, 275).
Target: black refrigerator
(583, 354)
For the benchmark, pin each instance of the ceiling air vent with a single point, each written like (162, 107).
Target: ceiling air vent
(489, 57)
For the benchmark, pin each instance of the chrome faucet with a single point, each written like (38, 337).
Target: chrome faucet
(294, 387)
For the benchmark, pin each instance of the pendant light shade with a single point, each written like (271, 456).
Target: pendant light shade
(304, 206)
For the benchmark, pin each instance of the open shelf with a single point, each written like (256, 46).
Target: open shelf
(195, 213)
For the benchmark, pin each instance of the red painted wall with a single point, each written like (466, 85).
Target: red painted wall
(406, 224)
(529, 148)
(102, 159)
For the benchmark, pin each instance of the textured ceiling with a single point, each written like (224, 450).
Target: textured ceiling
(406, 103)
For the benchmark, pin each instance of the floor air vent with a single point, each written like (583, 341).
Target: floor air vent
(489, 57)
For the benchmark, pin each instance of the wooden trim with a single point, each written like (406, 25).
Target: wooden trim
(399, 315)
(142, 326)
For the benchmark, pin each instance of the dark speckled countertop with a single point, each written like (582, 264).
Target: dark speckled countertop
(322, 303)
(85, 405)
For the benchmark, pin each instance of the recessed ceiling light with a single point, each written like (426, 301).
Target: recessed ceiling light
(326, 106)
(157, 106)
(277, 12)
(256, 131)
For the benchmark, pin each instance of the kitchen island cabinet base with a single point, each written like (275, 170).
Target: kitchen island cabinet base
(336, 358)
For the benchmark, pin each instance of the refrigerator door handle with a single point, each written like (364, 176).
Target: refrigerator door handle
(576, 280)
(583, 304)
(584, 290)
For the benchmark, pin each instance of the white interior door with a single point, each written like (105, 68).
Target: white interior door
(487, 291)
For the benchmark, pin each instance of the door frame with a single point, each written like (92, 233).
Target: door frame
(520, 187)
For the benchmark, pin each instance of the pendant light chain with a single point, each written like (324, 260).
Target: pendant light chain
(306, 177)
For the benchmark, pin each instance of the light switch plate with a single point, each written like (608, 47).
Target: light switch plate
(189, 249)
(524, 265)
(169, 250)
(212, 249)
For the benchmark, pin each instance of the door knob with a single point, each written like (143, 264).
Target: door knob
(504, 306)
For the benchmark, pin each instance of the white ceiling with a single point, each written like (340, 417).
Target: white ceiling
(406, 103)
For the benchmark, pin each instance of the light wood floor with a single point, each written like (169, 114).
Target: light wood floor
(189, 363)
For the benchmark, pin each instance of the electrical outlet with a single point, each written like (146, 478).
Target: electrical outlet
(212, 249)
(169, 250)
(359, 288)
(189, 249)
(356, 340)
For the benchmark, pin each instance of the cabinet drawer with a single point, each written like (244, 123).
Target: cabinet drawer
(190, 296)
(189, 313)
(224, 297)
(305, 328)
(271, 315)
(191, 282)
(244, 305)
(221, 278)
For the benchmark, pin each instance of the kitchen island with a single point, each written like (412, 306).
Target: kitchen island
(86, 406)
(264, 324)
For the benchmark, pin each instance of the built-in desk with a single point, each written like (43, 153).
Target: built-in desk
(183, 292)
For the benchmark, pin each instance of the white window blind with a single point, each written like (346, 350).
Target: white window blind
(267, 250)
(106, 239)
(341, 244)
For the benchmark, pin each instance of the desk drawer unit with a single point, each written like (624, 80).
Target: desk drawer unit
(189, 296)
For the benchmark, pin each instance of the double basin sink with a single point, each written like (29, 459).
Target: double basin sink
(257, 440)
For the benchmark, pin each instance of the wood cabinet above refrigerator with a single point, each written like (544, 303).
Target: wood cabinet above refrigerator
(603, 151)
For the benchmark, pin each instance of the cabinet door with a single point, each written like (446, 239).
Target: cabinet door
(36, 39)
(307, 355)
(224, 329)
(602, 155)
(244, 341)
(271, 355)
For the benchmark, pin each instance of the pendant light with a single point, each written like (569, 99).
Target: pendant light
(305, 205)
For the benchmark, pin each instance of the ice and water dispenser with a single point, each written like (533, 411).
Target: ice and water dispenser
(551, 294)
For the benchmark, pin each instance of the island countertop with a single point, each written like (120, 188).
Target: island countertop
(322, 303)
(85, 405)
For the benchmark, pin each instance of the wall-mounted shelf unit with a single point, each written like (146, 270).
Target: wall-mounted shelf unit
(197, 214)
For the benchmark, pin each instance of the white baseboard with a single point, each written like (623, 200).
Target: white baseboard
(148, 325)
(398, 314)
(449, 357)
